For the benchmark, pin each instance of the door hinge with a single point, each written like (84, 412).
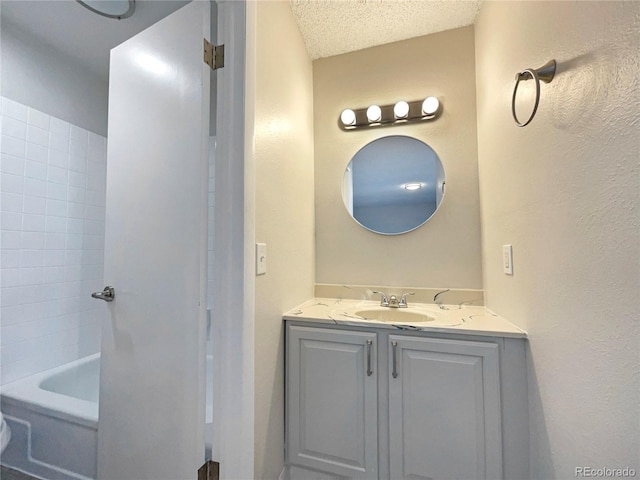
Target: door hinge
(213, 55)
(209, 471)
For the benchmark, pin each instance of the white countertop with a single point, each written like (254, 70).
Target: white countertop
(470, 320)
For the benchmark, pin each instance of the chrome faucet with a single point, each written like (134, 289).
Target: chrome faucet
(384, 302)
(403, 300)
(439, 303)
(393, 302)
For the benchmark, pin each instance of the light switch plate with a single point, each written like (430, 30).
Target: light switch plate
(261, 258)
(507, 259)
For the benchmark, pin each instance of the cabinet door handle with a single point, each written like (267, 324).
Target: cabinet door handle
(394, 347)
(369, 370)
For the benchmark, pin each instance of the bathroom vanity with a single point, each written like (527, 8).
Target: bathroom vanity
(369, 395)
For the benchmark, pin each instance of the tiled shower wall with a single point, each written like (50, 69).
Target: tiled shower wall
(53, 178)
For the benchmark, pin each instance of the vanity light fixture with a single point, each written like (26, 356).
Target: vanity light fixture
(401, 109)
(412, 186)
(401, 112)
(430, 106)
(374, 113)
(348, 117)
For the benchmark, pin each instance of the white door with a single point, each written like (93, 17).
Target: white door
(332, 408)
(152, 389)
(444, 409)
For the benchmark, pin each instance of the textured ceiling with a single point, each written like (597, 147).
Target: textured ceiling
(329, 27)
(332, 27)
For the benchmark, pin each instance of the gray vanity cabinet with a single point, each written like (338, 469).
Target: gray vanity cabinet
(384, 404)
(444, 409)
(332, 401)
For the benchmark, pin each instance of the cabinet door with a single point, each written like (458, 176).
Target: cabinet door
(444, 409)
(332, 402)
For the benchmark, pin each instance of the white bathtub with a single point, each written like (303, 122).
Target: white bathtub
(53, 417)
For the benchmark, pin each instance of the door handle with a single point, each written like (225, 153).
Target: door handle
(394, 346)
(369, 370)
(108, 294)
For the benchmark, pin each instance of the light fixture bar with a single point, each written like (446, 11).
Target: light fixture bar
(389, 114)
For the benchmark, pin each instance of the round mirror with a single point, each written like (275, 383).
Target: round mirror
(393, 185)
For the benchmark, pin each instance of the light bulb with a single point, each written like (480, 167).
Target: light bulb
(374, 113)
(348, 117)
(430, 106)
(401, 109)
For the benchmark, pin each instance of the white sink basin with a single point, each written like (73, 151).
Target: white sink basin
(394, 315)
(413, 316)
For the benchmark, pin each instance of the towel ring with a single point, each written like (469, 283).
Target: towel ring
(544, 73)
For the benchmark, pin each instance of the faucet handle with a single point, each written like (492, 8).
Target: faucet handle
(384, 302)
(403, 299)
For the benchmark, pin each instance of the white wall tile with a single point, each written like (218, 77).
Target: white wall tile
(11, 239)
(32, 241)
(11, 183)
(31, 258)
(78, 163)
(35, 187)
(94, 213)
(59, 134)
(58, 175)
(10, 277)
(58, 158)
(9, 259)
(36, 205)
(14, 109)
(77, 179)
(54, 241)
(73, 257)
(14, 314)
(56, 225)
(72, 273)
(33, 223)
(12, 146)
(51, 237)
(37, 135)
(31, 276)
(75, 225)
(10, 221)
(37, 170)
(11, 202)
(73, 242)
(93, 242)
(94, 227)
(72, 289)
(37, 153)
(57, 208)
(55, 258)
(38, 119)
(12, 165)
(56, 191)
(75, 195)
(53, 274)
(97, 148)
(75, 210)
(13, 128)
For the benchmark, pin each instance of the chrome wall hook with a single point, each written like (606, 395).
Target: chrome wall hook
(545, 74)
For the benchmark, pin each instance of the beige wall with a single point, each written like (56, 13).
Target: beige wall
(564, 192)
(284, 216)
(446, 251)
